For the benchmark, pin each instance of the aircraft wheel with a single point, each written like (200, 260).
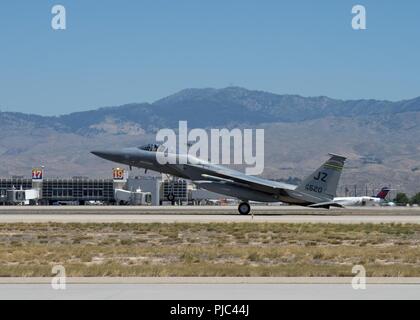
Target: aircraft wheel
(171, 197)
(244, 208)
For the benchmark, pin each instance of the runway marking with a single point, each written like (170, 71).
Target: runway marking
(89, 218)
(191, 214)
(212, 280)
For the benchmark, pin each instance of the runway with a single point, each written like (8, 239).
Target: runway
(207, 219)
(210, 292)
(262, 214)
(205, 210)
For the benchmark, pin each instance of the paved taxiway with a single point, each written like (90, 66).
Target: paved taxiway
(263, 214)
(193, 288)
(210, 292)
(205, 210)
(206, 219)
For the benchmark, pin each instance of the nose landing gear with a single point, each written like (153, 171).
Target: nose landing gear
(244, 208)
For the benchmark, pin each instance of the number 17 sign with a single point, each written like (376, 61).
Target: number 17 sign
(37, 174)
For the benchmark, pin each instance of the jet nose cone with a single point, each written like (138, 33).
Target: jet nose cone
(108, 155)
(100, 154)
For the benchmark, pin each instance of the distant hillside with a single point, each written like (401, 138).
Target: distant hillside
(379, 137)
(210, 108)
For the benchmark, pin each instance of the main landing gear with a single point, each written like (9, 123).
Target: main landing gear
(244, 208)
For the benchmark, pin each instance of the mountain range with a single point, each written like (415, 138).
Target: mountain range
(379, 137)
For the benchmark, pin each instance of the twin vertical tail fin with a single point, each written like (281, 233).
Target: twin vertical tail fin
(323, 182)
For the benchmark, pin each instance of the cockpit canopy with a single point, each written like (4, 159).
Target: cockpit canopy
(152, 147)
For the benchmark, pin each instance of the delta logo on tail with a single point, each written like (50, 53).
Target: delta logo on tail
(383, 193)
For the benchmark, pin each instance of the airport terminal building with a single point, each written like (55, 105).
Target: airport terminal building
(52, 191)
(78, 190)
(118, 190)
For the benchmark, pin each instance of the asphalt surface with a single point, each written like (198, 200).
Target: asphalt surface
(204, 210)
(262, 214)
(209, 292)
(206, 219)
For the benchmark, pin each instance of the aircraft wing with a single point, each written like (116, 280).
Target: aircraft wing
(243, 180)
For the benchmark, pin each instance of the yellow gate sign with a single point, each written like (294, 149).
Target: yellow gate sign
(118, 175)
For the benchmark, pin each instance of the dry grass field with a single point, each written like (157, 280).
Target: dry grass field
(206, 250)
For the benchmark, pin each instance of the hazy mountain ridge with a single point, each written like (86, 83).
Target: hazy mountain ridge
(213, 108)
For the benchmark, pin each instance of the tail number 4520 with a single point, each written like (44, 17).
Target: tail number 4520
(312, 188)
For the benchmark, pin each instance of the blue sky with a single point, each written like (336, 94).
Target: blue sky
(117, 52)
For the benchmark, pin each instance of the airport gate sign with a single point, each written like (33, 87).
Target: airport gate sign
(119, 175)
(37, 174)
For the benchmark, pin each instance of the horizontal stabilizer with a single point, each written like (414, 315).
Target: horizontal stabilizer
(326, 205)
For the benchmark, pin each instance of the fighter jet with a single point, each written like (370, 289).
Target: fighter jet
(316, 191)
